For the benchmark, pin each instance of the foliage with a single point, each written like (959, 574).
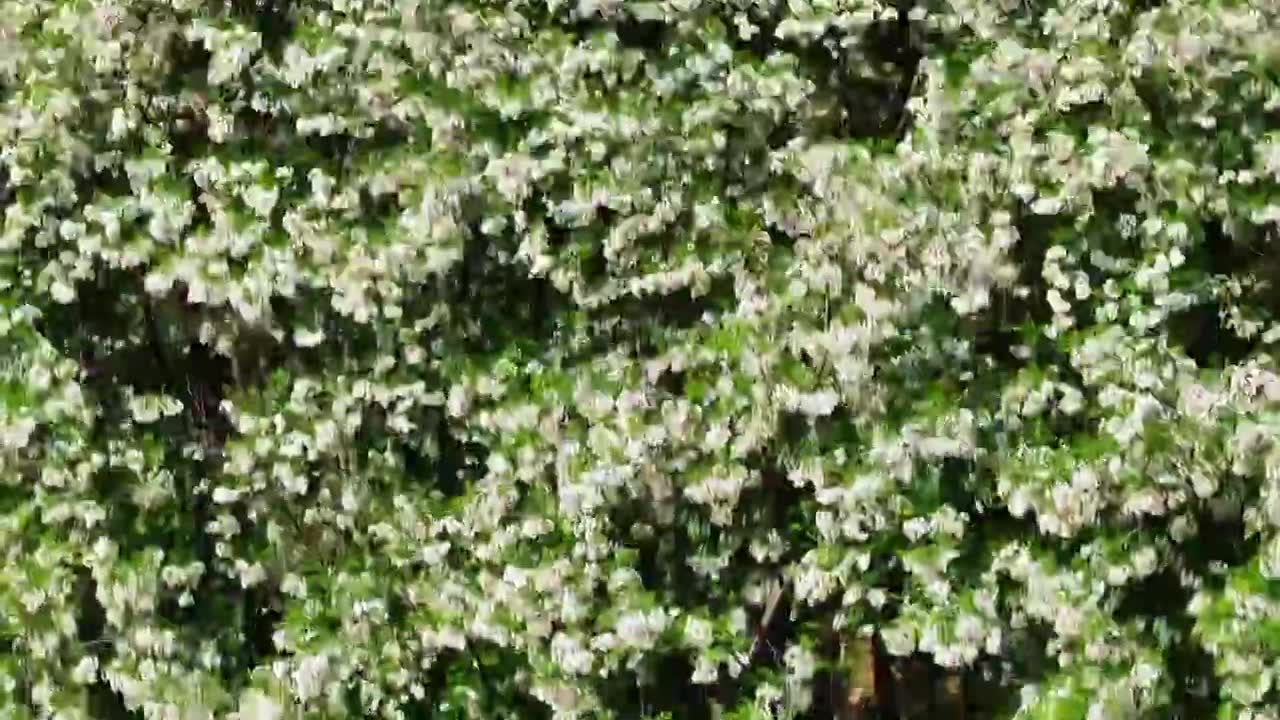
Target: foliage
(424, 359)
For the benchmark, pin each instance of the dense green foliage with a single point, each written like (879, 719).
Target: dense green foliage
(479, 359)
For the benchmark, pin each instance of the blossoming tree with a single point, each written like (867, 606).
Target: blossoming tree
(605, 359)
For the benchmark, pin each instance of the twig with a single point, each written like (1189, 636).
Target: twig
(771, 607)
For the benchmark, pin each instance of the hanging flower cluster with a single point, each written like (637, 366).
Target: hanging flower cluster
(604, 359)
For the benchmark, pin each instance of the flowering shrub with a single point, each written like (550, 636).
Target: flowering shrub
(591, 358)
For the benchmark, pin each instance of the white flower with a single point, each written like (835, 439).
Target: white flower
(261, 199)
(916, 528)
(705, 672)
(293, 585)
(150, 408)
(1270, 561)
(569, 653)
(305, 338)
(1046, 206)
(16, 435)
(1144, 561)
(255, 705)
(62, 292)
(225, 495)
(899, 639)
(85, 671)
(221, 124)
(1057, 302)
(250, 573)
(800, 662)
(640, 630)
(310, 676)
(697, 632)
